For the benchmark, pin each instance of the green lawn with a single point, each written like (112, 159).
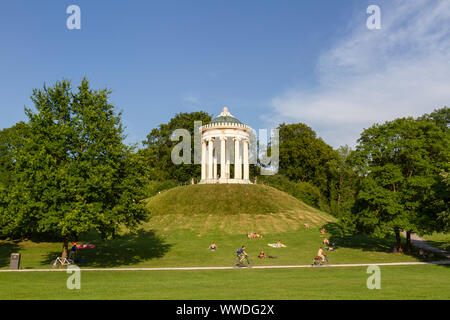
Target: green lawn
(180, 237)
(187, 248)
(397, 282)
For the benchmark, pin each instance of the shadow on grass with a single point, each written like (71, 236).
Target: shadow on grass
(359, 241)
(366, 242)
(126, 250)
(6, 248)
(443, 245)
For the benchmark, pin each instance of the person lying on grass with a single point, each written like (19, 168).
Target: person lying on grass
(253, 235)
(277, 245)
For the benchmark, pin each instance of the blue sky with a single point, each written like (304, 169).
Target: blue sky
(267, 61)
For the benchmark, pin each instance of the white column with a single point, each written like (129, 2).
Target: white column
(210, 158)
(237, 162)
(246, 164)
(203, 159)
(228, 165)
(215, 165)
(223, 141)
(240, 162)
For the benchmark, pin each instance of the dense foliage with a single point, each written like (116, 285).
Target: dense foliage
(400, 163)
(159, 145)
(70, 171)
(304, 191)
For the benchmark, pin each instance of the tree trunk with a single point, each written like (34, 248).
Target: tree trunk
(65, 249)
(399, 241)
(408, 242)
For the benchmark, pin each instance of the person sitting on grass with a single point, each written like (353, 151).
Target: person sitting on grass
(212, 246)
(73, 252)
(262, 255)
(322, 231)
(423, 253)
(326, 242)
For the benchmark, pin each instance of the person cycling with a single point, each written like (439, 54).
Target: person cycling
(241, 254)
(321, 255)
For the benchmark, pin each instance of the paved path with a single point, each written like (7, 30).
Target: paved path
(422, 243)
(443, 262)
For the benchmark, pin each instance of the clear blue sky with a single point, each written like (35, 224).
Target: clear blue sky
(165, 57)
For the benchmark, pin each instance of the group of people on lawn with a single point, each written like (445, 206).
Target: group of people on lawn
(262, 255)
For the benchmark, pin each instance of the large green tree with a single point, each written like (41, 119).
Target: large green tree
(10, 139)
(158, 148)
(71, 173)
(343, 182)
(305, 157)
(400, 163)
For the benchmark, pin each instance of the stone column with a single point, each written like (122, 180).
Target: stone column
(215, 165)
(228, 165)
(246, 164)
(203, 159)
(210, 158)
(223, 141)
(237, 162)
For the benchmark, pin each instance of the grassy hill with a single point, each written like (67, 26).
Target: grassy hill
(233, 209)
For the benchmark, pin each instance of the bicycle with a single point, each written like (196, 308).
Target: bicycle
(317, 261)
(59, 262)
(242, 261)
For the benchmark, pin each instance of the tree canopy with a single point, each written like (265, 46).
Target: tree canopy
(70, 172)
(10, 139)
(400, 163)
(158, 148)
(304, 156)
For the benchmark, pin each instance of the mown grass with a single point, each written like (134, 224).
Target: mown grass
(223, 200)
(185, 247)
(397, 282)
(180, 232)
